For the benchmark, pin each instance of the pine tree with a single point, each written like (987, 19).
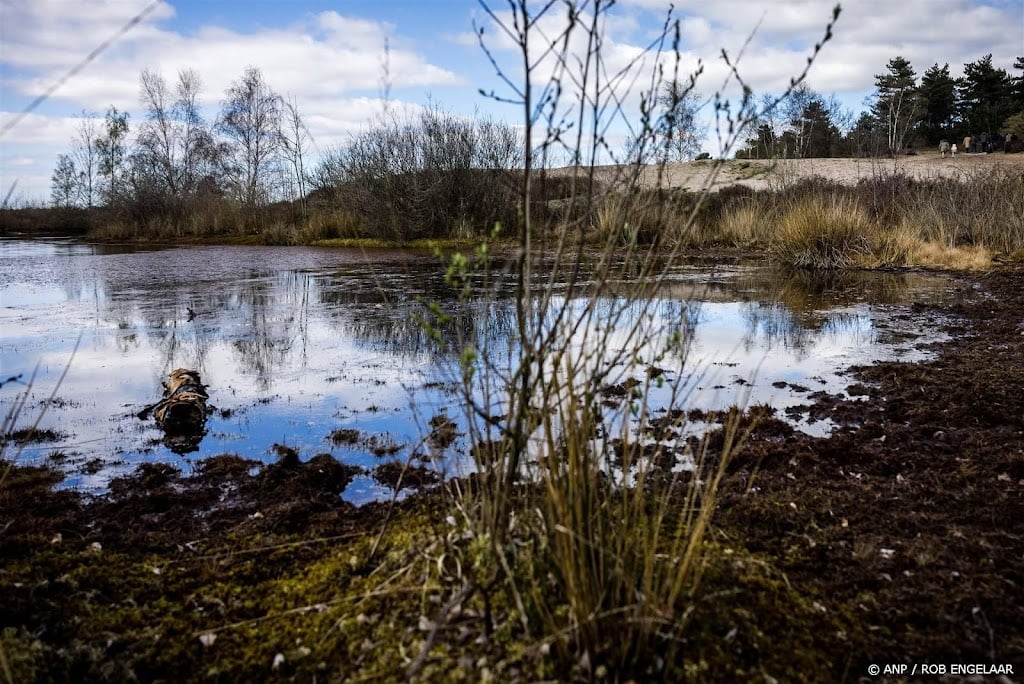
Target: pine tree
(938, 102)
(897, 103)
(985, 96)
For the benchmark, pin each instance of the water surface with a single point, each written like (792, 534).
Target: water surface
(295, 343)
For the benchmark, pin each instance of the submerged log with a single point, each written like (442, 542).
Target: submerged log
(183, 410)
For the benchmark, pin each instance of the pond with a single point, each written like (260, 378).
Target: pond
(297, 343)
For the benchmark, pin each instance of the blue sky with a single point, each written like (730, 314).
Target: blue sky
(328, 56)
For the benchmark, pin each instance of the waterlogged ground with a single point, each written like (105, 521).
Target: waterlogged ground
(298, 345)
(889, 549)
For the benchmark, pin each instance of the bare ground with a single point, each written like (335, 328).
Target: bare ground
(763, 174)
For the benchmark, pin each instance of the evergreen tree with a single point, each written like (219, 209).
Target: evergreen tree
(816, 134)
(985, 96)
(938, 102)
(866, 139)
(1018, 84)
(897, 104)
(811, 129)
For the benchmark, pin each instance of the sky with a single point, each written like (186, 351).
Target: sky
(344, 62)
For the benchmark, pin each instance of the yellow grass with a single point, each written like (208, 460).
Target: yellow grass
(961, 258)
(824, 232)
(742, 225)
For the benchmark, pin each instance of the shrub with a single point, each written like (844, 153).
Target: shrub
(428, 176)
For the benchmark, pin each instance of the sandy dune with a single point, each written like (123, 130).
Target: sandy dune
(765, 174)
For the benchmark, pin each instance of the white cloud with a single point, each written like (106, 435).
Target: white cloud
(327, 62)
(333, 63)
(867, 34)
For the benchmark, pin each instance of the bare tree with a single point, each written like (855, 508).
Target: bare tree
(198, 149)
(65, 186)
(174, 147)
(157, 137)
(86, 155)
(295, 139)
(112, 148)
(683, 133)
(250, 119)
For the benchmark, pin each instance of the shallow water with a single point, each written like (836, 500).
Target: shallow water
(295, 343)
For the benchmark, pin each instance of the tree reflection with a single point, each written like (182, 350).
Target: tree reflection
(267, 313)
(272, 319)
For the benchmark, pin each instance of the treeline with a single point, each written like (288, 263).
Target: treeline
(249, 172)
(176, 164)
(904, 113)
(433, 174)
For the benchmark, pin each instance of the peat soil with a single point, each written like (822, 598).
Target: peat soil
(897, 540)
(909, 519)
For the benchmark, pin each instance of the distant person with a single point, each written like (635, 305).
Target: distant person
(967, 144)
(943, 148)
(952, 150)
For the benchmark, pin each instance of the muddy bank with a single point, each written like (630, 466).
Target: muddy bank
(896, 540)
(907, 524)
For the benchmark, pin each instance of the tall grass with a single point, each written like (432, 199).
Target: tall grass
(741, 224)
(894, 221)
(823, 232)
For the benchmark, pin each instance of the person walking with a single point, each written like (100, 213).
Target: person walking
(967, 144)
(943, 148)
(952, 150)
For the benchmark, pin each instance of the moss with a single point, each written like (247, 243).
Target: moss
(130, 614)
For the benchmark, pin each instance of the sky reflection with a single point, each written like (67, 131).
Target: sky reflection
(297, 342)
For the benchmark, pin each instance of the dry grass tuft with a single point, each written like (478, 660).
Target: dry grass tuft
(963, 258)
(824, 232)
(742, 225)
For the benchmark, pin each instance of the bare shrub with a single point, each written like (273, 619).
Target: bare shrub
(427, 176)
(980, 208)
(595, 545)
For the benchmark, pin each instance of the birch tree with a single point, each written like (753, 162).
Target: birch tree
(86, 157)
(65, 187)
(157, 138)
(295, 141)
(251, 121)
(112, 148)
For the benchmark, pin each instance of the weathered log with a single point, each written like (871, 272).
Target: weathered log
(183, 410)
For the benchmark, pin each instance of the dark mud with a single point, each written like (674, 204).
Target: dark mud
(898, 539)
(907, 524)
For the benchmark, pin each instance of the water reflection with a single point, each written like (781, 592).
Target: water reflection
(296, 343)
